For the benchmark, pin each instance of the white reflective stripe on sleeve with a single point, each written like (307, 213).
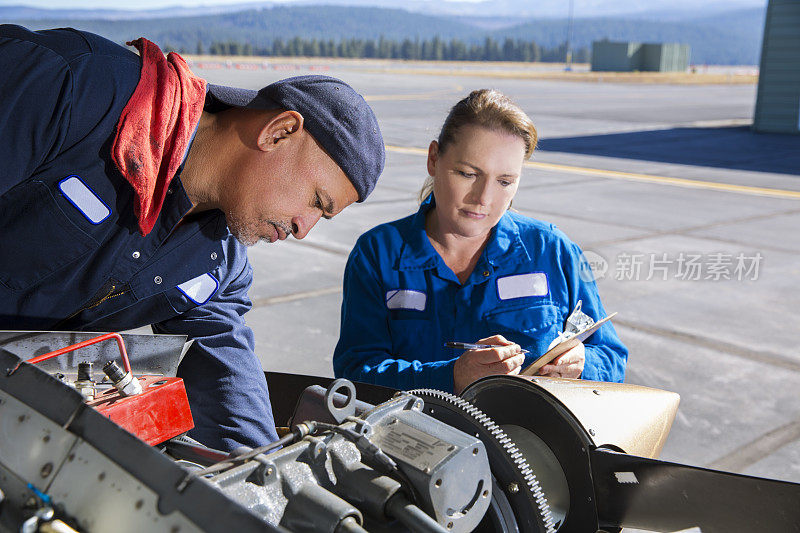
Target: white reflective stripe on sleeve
(405, 299)
(84, 199)
(521, 285)
(200, 289)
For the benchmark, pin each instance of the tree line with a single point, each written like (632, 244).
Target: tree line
(435, 49)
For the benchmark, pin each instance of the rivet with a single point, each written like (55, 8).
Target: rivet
(213, 255)
(136, 254)
(591, 432)
(513, 488)
(157, 280)
(485, 273)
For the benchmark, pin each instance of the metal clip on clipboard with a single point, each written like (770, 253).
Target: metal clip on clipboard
(579, 327)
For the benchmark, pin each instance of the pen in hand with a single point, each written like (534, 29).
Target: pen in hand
(472, 346)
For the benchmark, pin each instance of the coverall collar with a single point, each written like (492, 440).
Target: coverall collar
(505, 246)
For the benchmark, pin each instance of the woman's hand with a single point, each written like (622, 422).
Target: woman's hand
(567, 365)
(475, 364)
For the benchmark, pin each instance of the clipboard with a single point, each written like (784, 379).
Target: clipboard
(562, 347)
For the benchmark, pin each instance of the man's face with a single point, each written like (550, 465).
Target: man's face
(284, 191)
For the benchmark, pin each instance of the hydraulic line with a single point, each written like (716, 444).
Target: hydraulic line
(71, 348)
(411, 516)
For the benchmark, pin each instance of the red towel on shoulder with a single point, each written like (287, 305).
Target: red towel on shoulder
(155, 127)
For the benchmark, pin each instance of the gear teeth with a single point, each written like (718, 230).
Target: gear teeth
(505, 442)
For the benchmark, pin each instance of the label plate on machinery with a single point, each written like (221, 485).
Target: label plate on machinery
(417, 448)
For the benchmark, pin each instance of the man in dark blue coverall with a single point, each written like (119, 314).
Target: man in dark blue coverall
(258, 165)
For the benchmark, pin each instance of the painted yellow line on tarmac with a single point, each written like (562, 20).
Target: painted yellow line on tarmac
(417, 96)
(631, 176)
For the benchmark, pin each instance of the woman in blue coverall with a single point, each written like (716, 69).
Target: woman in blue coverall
(466, 268)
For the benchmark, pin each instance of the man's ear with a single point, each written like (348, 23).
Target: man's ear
(278, 129)
(433, 157)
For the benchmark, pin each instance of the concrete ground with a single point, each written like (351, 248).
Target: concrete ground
(694, 217)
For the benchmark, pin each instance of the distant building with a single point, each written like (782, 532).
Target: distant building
(778, 100)
(650, 57)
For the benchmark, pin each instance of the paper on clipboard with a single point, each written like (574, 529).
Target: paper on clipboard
(563, 346)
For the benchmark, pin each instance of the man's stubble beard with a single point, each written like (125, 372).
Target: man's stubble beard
(248, 233)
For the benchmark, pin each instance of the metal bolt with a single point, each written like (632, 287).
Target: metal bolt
(46, 470)
(157, 280)
(213, 255)
(513, 488)
(136, 254)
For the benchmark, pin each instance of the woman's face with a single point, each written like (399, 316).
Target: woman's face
(475, 179)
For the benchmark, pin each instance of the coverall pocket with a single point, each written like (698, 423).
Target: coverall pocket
(178, 301)
(532, 327)
(37, 238)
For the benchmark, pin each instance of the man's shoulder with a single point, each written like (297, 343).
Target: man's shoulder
(68, 43)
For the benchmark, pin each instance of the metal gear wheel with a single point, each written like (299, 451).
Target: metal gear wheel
(521, 491)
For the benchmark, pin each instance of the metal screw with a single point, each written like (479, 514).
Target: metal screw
(157, 280)
(513, 488)
(136, 254)
(46, 470)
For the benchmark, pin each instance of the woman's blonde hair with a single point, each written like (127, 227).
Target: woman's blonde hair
(489, 109)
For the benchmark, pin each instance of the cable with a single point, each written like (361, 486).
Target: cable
(411, 516)
(300, 431)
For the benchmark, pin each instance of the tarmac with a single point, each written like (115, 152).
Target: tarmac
(690, 216)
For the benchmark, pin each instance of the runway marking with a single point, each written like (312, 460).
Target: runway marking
(274, 300)
(632, 176)
(758, 356)
(688, 231)
(756, 450)
(418, 96)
